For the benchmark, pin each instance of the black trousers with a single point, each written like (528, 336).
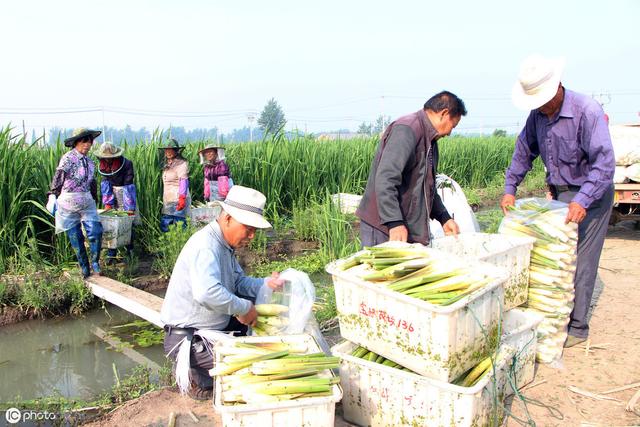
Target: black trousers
(201, 360)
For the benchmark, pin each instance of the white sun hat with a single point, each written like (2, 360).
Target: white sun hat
(246, 206)
(537, 81)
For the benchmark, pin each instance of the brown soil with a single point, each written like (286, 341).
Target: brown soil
(615, 326)
(277, 250)
(10, 315)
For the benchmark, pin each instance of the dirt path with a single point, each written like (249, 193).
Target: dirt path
(615, 325)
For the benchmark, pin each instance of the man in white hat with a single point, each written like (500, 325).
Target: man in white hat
(569, 132)
(208, 289)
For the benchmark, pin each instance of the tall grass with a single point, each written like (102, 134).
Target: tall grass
(293, 174)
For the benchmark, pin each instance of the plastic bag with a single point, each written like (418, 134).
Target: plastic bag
(633, 172)
(626, 144)
(298, 294)
(456, 203)
(620, 175)
(551, 270)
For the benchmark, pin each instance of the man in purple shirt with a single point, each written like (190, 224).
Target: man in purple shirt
(569, 132)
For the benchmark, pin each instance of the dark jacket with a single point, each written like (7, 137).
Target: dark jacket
(124, 176)
(401, 184)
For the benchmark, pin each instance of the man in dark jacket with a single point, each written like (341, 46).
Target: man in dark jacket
(400, 197)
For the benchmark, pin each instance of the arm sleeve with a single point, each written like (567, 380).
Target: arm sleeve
(56, 183)
(129, 196)
(207, 191)
(207, 287)
(106, 189)
(245, 285)
(397, 152)
(183, 187)
(525, 153)
(596, 141)
(93, 188)
(438, 210)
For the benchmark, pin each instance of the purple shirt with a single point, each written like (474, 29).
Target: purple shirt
(74, 174)
(215, 170)
(574, 145)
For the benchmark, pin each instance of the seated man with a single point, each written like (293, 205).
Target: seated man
(208, 289)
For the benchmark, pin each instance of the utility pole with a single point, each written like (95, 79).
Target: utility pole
(251, 116)
(104, 128)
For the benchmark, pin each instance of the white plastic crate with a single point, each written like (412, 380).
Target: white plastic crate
(377, 395)
(310, 412)
(440, 342)
(116, 231)
(204, 214)
(347, 203)
(519, 330)
(511, 252)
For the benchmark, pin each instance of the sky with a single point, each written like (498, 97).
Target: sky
(329, 64)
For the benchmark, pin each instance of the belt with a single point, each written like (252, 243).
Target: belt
(563, 188)
(172, 330)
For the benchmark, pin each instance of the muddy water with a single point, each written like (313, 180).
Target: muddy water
(65, 356)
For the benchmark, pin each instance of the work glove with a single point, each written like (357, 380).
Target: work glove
(223, 186)
(52, 204)
(107, 207)
(181, 203)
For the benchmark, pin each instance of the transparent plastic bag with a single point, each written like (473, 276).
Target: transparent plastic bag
(298, 294)
(551, 270)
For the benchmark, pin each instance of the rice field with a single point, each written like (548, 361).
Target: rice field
(293, 174)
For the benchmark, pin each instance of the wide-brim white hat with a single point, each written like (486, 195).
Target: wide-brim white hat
(537, 82)
(246, 206)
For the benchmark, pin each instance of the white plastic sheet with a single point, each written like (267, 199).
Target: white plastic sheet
(456, 203)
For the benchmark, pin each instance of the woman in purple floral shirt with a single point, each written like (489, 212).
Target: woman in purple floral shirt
(217, 178)
(73, 197)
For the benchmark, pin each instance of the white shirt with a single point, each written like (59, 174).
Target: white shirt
(205, 284)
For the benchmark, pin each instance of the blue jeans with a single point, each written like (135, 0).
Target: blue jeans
(167, 220)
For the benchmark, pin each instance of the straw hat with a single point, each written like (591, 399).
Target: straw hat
(538, 81)
(109, 151)
(246, 206)
(219, 151)
(80, 133)
(171, 143)
(211, 147)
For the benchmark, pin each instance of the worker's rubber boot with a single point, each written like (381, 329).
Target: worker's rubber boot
(77, 243)
(94, 233)
(112, 255)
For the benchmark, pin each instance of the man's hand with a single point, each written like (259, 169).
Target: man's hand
(576, 213)
(507, 200)
(451, 228)
(249, 319)
(275, 282)
(399, 234)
